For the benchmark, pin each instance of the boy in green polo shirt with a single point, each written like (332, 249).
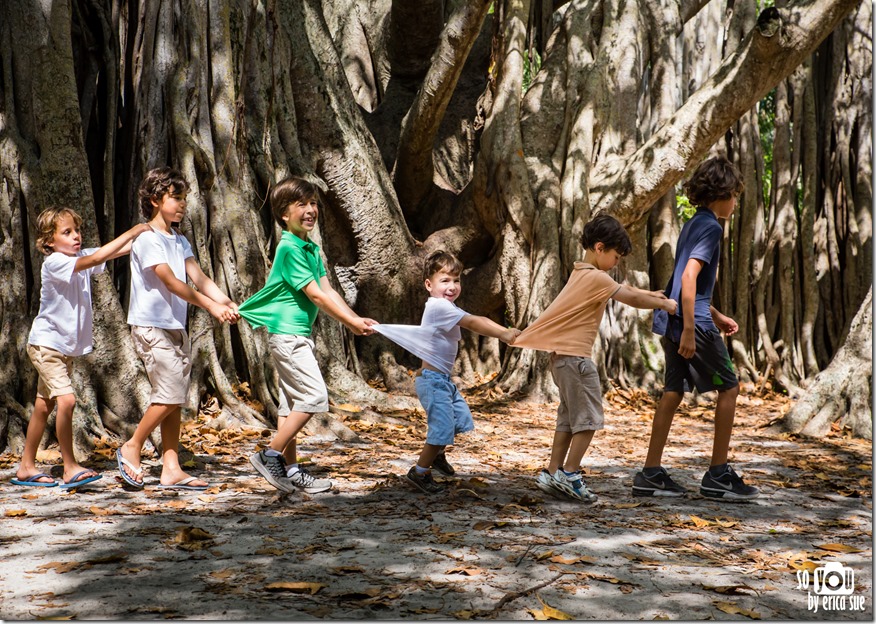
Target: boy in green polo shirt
(297, 288)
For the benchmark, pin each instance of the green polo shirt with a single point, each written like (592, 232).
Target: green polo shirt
(281, 305)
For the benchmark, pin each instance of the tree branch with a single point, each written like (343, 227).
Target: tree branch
(781, 40)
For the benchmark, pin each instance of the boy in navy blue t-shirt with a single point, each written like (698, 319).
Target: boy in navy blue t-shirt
(695, 351)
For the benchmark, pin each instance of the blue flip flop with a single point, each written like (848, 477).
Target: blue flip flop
(32, 481)
(122, 462)
(183, 484)
(75, 482)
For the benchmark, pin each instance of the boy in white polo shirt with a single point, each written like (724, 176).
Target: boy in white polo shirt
(62, 331)
(161, 259)
(436, 341)
(296, 289)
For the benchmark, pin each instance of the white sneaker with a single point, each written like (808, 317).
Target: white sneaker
(573, 486)
(547, 484)
(303, 480)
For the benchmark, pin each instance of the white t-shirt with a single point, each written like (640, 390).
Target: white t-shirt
(436, 339)
(151, 304)
(65, 319)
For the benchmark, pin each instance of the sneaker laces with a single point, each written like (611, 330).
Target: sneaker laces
(303, 477)
(275, 465)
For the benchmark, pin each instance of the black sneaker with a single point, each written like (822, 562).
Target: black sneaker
(728, 485)
(660, 484)
(273, 469)
(424, 482)
(443, 466)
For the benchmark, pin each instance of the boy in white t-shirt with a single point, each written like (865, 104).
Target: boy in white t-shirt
(161, 259)
(436, 341)
(62, 331)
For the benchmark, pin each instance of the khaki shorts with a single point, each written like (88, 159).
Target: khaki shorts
(580, 394)
(55, 370)
(166, 354)
(302, 388)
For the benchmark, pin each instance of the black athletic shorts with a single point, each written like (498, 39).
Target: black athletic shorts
(709, 369)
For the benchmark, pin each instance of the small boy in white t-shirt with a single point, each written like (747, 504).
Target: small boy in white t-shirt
(436, 341)
(161, 259)
(62, 331)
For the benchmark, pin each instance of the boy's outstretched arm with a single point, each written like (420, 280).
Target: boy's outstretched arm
(485, 327)
(220, 311)
(117, 247)
(645, 299)
(208, 287)
(329, 301)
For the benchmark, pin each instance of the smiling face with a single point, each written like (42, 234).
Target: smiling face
(169, 209)
(444, 285)
(67, 238)
(300, 217)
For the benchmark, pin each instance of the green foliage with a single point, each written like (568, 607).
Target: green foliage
(531, 65)
(766, 121)
(685, 209)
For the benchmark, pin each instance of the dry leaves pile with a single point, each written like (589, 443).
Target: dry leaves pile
(493, 546)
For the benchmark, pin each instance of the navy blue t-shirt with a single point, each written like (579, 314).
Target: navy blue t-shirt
(700, 239)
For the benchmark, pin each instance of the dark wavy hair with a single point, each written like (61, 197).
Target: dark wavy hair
(607, 230)
(715, 179)
(290, 191)
(441, 261)
(155, 184)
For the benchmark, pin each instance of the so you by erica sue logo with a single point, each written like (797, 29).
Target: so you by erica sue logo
(830, 587)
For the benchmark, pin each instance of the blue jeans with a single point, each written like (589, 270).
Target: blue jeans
(447, 412)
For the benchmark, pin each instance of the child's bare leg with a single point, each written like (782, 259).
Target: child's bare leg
(287, 428)
(669, 402)
(580, 443)
(560, 448)
(428, 455)
(725, 412)
(64, 431)
(154, 416)
(35, 429)
(171, 471)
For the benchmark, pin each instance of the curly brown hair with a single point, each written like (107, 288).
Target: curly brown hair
(155, 184)
(715, 179)
(47, 223)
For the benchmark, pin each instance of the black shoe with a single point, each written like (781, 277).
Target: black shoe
(728, 485)
(443, 466)
(273, 469)
(660, 484)
(424, 482)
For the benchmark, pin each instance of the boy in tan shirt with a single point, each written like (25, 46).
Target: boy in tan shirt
(568, 328)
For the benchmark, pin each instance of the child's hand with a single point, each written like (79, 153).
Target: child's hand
(725, 324)
(659, 294)
(236, 312)
(670, 305)
(223, 313)
(362, 326)
(510, 335)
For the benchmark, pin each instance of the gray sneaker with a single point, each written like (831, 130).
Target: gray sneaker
(572, 485)
(273, 469)
(303, 480)
(423, 482)
(546, 483)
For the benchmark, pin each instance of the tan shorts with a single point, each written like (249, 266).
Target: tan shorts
(167, 356)
(302, 388)
(55, 370)
(580, 394)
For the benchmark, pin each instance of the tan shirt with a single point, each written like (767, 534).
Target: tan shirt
(571, 322)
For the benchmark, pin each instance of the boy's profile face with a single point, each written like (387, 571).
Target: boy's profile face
(723, 208)
(171, 207)
(67, 238)
(301, 216)
(606, 259)
(444, 285)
